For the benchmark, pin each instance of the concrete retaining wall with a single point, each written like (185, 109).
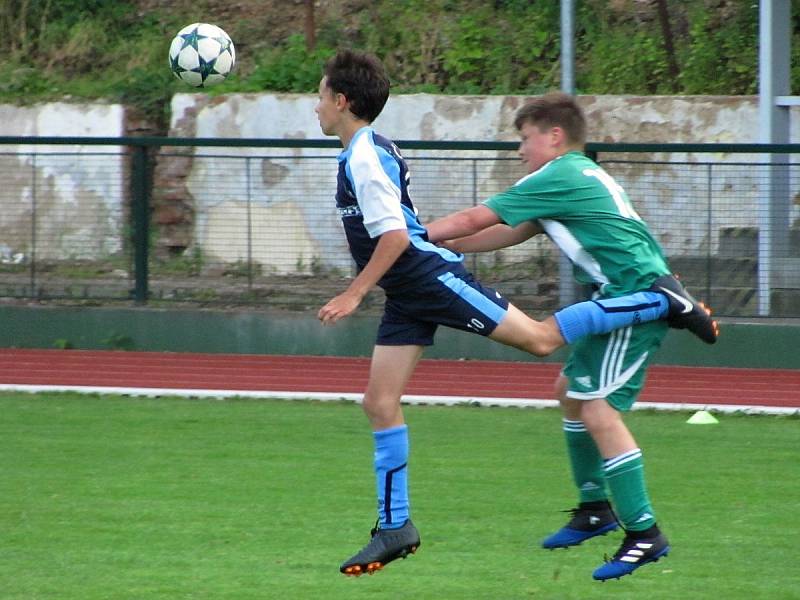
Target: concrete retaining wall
(273, 332)
(75, 195)
(281, 190)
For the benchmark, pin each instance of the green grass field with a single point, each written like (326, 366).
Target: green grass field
(132, 498)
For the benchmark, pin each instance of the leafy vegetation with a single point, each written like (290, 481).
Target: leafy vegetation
(116, 49)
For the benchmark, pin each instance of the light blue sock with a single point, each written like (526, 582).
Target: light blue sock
(601, 316)
(391, 475)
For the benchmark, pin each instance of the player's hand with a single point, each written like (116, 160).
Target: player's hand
(449, 244)
(338, 308)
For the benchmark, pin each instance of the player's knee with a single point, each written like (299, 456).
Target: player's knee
(594, 424)
(539, 347)
(599, 416)
(544, 339)
(381, 411)
(371, 405)
(530, 343)
(540, 338)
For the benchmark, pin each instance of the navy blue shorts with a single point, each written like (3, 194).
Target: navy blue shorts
(454, 299)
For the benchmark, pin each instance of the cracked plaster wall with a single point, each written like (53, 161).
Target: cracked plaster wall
(676, 212)
(283, 198)
(74, 195)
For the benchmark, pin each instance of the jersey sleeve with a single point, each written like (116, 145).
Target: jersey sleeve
(510, 206)
(376, 181)
(536, 196)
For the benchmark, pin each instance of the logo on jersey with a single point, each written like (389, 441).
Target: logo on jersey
(349, 211)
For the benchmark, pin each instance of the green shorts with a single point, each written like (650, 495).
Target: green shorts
(613, 366)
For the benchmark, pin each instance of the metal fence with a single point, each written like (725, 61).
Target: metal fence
(252, 222)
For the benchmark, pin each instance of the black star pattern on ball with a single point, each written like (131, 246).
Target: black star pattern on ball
(191, 39)
(206, 68)
(176, 67)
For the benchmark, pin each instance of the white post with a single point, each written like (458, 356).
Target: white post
(773, 206)
(568, 292)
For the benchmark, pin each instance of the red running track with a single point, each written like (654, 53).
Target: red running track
(313, 374)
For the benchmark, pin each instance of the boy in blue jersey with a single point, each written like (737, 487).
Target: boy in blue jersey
(425, 286)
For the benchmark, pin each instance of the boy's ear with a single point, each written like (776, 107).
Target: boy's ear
(341, 101)
(558, 136)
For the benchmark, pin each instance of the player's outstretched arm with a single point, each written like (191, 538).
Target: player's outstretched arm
(494, 238)
(390, 246)
(461, 224)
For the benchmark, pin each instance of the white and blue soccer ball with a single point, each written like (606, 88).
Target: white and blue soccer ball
(201, 55)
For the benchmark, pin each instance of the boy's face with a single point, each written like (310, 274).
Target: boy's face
(327, 111)
(537, 147)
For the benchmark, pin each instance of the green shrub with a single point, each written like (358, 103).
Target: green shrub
(490, 53)
(291, 68)
(725, 45)
(116, 49)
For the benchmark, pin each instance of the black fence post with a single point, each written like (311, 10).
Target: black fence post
(140, 213)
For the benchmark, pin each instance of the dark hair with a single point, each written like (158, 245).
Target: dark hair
(362, 79)
(554, 109)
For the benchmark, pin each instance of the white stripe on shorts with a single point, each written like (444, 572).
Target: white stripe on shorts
(612, 377)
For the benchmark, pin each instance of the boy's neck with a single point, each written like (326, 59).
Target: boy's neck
(349, 129)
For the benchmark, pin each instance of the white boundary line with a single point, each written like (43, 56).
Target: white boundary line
(409, 399)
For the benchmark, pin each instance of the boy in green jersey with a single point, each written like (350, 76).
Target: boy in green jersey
(590, 217)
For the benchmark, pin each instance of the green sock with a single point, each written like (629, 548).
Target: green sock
(625, 477)
(586, 462)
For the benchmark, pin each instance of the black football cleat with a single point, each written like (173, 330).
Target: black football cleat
(633, 553)
(684, 311)
(588, 520)
(385, 546)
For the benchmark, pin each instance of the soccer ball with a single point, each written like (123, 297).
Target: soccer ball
(201, 55)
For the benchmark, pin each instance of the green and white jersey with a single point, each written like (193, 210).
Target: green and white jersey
(590, 217)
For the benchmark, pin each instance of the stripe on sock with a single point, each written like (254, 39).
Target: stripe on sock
(387, 495)
(628, 308)
(617, 461)
(574, 426)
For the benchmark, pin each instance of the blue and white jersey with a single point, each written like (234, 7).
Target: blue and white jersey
(372, 198)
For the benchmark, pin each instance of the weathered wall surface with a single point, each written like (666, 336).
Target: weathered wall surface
(74, 196)
(697, 119)
(283, 198)
(297, 208)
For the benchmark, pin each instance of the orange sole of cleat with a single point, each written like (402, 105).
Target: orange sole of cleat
(714, 324)
(357, 571)
(371, 568)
